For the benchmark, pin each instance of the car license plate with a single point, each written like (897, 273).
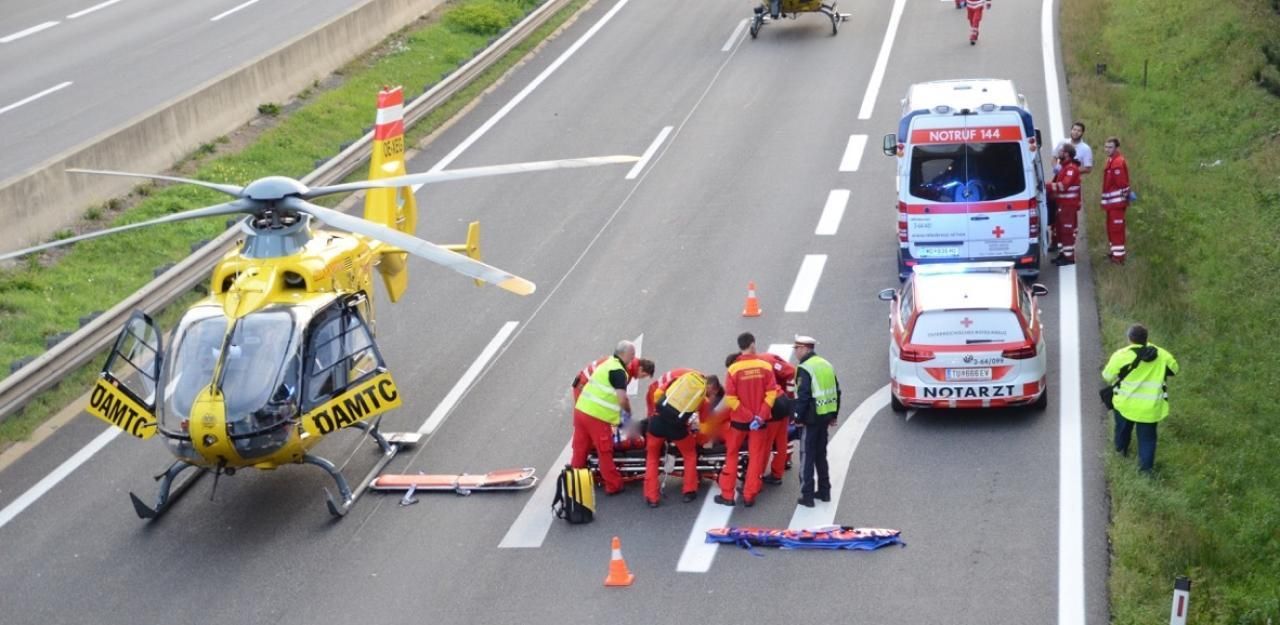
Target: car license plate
(937, 252)
(979, 374)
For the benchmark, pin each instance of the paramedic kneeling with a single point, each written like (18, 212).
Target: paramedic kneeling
(673, 399)
(603, 405)
(1139, 372)
(817, 407)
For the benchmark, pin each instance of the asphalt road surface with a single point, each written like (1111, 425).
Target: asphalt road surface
(755, 137)
(75, 69)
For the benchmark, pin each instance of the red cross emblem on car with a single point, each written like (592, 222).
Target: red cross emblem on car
(966, 322)
(998, 231)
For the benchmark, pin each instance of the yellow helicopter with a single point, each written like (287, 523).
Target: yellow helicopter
(281, 353)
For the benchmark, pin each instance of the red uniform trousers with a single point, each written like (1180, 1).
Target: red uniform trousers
(776, 432)
(975, 18)
(1064, 228)
(1115, 232)
(757, 446)
(654, 446)
(591, 433)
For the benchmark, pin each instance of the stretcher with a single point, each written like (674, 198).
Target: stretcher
(461, 483)
(825, 537)
(629, 457)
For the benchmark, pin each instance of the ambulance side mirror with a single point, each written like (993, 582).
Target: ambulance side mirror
(1039, 141)
(888, 295)
(1039, 290)
(891, 144)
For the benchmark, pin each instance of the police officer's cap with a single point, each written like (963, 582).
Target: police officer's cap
(807, 341)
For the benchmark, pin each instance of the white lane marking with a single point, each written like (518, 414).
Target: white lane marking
(101, 5)
(882, 61)
(782, 350)
(30, 31)
(530, 528)
(911, 413)
(853, 153)
(442, 410)
(737, 32)
(52, 479)
(648, 154)
(839, 456)
(806, 283)
(34, 97)
(833, 212)
(229, 12)
(524, 93)
(1071, 594)
(698, 554)
(633, 386)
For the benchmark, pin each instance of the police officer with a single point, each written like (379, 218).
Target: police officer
(1139, 373)
(817, 405)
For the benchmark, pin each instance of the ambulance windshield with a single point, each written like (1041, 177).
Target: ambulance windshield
(967, 172)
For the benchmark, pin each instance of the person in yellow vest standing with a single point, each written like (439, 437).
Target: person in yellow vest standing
(817, 406)
(602, 406)
(1139, 373)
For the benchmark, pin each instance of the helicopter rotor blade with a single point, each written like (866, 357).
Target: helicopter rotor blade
(470, 172)
(229, 189)
(424, 249)
(236, 206)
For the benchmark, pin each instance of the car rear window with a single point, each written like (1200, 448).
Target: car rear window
(966, 327)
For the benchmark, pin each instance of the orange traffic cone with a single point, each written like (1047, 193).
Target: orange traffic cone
(752, 309)
(618, 573)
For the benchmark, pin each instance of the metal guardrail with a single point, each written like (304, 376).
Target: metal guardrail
(81, 347)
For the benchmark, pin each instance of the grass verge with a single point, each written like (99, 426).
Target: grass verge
(1185, 88)
(45, 297)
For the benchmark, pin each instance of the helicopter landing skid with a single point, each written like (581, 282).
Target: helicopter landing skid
(390, 444)
(168, 493)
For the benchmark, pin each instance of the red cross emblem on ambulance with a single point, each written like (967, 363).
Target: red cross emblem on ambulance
(966, 322)
(998, 231)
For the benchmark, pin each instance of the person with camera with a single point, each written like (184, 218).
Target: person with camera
(1136, 377)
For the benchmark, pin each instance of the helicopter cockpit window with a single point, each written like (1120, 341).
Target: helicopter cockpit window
(197, 345)
(256, 375)
(967, 172)
(340, 354)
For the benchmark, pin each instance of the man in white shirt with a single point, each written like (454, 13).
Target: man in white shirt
(1084, 154)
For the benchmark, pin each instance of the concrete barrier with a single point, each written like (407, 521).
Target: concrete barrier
(35, 204)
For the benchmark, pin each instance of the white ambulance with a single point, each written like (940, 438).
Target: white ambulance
(970, 182)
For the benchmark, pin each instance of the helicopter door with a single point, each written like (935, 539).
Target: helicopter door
(345, 379)
(125, 395)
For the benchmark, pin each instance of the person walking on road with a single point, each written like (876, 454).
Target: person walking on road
(603, 406)
(817, 407)
(1139, 372)
(1115, 197)
(975, 17)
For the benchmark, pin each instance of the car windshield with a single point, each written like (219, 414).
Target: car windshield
(967, 172)
(966, 327)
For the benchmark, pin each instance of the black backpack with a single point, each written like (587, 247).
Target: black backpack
(575, 499)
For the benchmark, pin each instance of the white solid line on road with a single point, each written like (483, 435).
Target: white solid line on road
(737, 32)
(782, 350)
(442, 410)
(698, 554)
(648, 154)
(882, 61)
(52, 479)
(530, 528)
(839, 456)
(1071, 593)
(806, 283)
(633, 386)
(34, 97)
(853, 153)
(833, 212)
(229, 12)
(91, 9)
(524, 93)
(30, 31)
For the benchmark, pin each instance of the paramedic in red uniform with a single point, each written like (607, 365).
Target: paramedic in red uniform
(1115, 197)
(602, 406)
(975, 17)
(638, 368)
(669, 423)
(1065, 191)
(784, 373)
(750, 391)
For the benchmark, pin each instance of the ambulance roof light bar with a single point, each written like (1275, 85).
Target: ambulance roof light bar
(942, 109)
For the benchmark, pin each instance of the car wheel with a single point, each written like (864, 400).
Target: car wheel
(1043, 402)
(896, 405)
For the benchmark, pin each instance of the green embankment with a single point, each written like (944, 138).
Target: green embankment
(43, 298)
(1202, 138)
